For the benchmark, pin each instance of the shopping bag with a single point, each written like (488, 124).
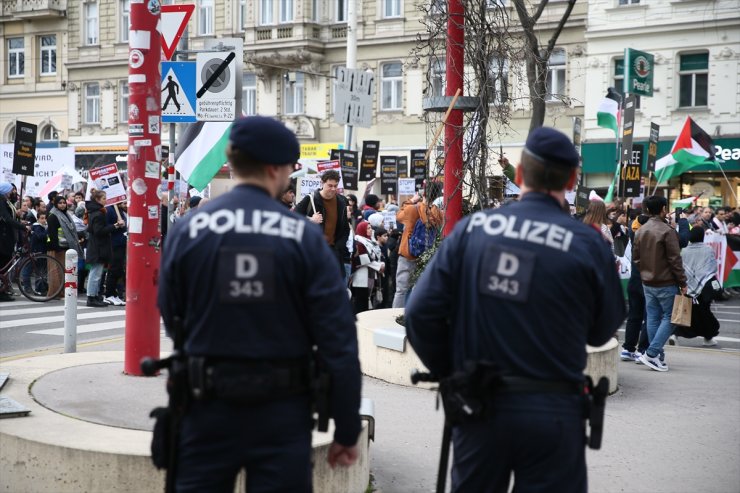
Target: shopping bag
(681, 314)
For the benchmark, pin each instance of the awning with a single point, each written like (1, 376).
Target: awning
(100, 149)
(600, 157)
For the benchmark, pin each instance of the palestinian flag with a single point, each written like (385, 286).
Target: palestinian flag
(201, 152)
(607, 115)
(731, 267)
(693, 147)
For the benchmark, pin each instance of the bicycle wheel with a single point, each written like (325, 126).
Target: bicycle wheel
(40, 277)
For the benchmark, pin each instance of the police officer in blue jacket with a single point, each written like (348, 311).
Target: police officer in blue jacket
(257, 287)
(523, 288)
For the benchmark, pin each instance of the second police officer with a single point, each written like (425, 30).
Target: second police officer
(256, 287)
(522, 288)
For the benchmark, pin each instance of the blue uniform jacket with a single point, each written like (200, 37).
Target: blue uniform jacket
(524, 286)
(253, 280)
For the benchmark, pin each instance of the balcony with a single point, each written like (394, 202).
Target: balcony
(32, 9)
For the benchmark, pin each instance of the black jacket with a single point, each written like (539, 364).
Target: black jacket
(341, 233)
(9, 228)
(99, 250)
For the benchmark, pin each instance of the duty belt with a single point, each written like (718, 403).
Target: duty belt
(247, 381)
(525, 385)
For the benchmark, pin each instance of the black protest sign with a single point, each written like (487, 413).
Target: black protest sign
(403, 166)
(419, 167)
(388, 175)
(653, 146)
(629, 181)
(369, 160)
(335, 153)
(582, 199)
(629, 125)
(348, 161)
(24, 152)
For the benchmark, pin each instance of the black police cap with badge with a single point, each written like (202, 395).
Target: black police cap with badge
(265, 140)
(551, 147)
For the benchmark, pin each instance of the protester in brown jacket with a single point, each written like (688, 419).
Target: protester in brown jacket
(410, 212)
(657, 255)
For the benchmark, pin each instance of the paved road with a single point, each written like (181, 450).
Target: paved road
(27, 326)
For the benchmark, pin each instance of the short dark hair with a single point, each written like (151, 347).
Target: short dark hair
(79, 194)
(540, 175)
(696, 234)
(654, 204)
(372, 200)
(243, 164)
(330, 175)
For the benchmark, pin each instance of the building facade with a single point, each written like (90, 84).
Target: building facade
(697, 73)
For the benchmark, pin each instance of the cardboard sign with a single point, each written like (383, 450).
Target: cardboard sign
(369, 160)
(419, 167)
(24, 151)
(406, 186)
(308, 185)
(388, 175)
(327, 165)
(348, 161)
(108, 179)
(403, 166)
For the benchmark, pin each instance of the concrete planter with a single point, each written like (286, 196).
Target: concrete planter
(385, 353)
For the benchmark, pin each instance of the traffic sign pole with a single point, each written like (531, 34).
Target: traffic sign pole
(142, 263)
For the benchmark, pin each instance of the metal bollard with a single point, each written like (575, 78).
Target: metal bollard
(70, 301)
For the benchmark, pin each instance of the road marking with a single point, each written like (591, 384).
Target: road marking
(82, 329)
(728, 320)
(50, 320)
(33, 311)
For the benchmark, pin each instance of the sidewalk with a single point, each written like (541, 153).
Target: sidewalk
(664, 432)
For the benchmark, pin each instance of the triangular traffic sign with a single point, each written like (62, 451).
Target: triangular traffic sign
(174, 20)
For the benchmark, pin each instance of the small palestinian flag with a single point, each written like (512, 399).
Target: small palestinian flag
(693, 147)
(607, 115)
(201, 152)
(730, 271)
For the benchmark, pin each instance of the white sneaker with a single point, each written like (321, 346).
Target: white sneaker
(118, 301)
(109, 300)
(653, 363)
(709, 342)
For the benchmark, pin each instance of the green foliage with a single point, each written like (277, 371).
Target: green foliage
(423, 261)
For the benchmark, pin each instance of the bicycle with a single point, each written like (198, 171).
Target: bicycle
(32, 271)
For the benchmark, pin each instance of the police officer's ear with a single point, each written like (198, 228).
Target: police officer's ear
(518, 177)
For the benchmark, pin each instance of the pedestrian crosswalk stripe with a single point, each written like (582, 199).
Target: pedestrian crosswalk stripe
(81, 329)
(60, 318)
(33, 311)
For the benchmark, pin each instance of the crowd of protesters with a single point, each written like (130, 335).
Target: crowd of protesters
(376, 258)
(67, 221)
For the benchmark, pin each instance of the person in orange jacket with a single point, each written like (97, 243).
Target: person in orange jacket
(419, 207)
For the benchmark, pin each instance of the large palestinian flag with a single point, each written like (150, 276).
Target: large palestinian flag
(693, 147)
(201, 152)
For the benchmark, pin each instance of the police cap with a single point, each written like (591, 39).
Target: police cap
(552, 147)
(265, 140)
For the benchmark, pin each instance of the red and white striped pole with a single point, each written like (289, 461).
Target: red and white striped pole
(145, 154)
(453, 127)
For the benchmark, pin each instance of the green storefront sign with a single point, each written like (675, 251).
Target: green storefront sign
(638, 72)
(601, 157)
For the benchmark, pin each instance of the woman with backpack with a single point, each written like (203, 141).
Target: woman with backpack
(99, 249)
(421, 215)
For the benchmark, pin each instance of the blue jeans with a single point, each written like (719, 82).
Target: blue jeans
(93, 280)
(659, 306)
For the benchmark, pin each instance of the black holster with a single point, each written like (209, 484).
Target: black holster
(594, 407)
(465, 393)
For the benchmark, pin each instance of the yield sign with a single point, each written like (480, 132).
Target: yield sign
(174, 20)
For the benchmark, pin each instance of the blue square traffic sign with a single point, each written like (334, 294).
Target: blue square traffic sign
(178, 92)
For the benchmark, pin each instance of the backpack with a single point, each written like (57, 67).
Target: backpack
(422, 236)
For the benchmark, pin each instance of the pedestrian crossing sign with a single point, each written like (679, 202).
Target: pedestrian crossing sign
(178, 92)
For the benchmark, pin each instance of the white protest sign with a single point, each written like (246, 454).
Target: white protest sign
(308, 185)
(107, 179)
(329, 165)
(389, 218)
(406, 186)
(48, 162)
